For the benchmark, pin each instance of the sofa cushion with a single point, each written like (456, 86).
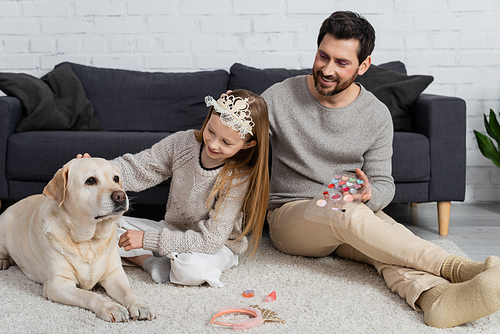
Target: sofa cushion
(37, 155)
(411, 158)
(258, 80)
(388, 82)
(127, 100)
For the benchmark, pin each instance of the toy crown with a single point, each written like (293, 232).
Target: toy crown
(233, 112)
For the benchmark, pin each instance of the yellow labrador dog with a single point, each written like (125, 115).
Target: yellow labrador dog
(67, 240)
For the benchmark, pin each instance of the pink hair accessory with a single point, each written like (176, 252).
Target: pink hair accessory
(250, 323)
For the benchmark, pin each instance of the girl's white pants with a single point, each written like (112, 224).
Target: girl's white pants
(185, 268)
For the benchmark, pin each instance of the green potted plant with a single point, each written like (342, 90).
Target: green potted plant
(486, 145)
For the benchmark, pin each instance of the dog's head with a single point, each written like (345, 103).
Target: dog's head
(88, 189)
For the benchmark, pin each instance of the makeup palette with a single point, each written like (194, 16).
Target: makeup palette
(343, 188)
(340, 194)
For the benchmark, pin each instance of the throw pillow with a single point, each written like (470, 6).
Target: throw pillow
(56, 101)
(397, 91)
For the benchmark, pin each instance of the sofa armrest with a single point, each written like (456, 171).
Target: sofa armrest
(442, 119)
(11, 112)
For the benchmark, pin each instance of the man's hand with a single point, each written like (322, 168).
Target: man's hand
(366, 185)
(131, 240)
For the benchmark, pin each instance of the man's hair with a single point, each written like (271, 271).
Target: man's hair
(350, 25)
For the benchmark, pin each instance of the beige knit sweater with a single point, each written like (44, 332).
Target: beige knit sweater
(190, 224)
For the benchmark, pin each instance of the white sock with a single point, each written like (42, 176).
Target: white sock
(158, 267)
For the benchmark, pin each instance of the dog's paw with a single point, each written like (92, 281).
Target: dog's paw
(113, 312)
(141, 311)
(4, 264)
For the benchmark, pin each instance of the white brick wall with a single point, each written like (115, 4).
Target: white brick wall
(456, 41)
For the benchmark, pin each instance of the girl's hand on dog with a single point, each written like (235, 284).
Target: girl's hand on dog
(85, 155)
(131, 240)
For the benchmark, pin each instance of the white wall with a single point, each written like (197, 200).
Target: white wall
(458, 42)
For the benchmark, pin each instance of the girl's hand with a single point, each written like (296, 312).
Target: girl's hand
(131, 240)
(366, 185)
(85, 155)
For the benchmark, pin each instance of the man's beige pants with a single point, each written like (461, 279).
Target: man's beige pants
(408, 264)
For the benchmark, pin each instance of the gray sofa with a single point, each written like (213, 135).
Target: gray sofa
(131, 110)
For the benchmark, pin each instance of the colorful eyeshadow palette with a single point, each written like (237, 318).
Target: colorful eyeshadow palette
(345, 186)
(343, 190)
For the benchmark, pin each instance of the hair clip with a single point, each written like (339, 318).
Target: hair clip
(268, 315)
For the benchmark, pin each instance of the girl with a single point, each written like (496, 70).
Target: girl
(218, 193)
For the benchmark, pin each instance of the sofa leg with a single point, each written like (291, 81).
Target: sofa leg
(443, 209)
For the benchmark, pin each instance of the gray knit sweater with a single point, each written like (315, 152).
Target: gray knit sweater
(190, 225)
(310, 142)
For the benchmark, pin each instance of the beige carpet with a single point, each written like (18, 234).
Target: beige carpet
(327, 295)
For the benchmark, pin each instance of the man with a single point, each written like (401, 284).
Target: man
(325, 122)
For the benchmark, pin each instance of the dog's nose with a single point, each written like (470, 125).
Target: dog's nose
(118, 196)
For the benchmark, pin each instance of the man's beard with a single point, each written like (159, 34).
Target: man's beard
(340, 87)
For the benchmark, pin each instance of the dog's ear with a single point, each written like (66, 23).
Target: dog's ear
(56, 188)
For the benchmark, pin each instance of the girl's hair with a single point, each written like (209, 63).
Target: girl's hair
(251, 162)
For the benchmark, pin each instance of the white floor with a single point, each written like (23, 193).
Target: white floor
(475, 228)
